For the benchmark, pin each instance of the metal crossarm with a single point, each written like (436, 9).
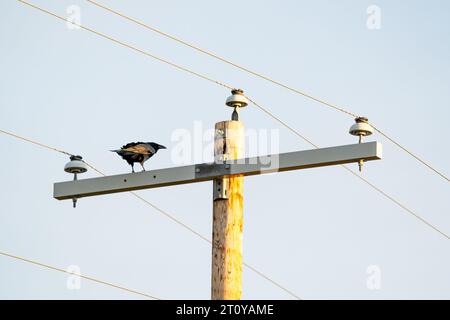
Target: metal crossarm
(210, 171)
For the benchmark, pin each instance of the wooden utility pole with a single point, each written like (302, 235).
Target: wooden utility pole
(226, 275)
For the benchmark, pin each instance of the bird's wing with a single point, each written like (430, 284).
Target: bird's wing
(131, 144)
(141, 148)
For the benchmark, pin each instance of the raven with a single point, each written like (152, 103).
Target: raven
(138, 152)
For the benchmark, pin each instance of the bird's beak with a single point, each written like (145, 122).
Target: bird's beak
(162, 147)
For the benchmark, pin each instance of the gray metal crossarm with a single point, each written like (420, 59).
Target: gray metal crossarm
(210, 171)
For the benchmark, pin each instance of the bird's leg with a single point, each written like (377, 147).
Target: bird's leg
(143, 168)
(132, 167)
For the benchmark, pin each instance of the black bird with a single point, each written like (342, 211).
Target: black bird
(138, 152)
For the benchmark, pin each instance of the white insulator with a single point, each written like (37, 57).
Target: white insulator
(75, 165)
(237, 99)
(361, 128)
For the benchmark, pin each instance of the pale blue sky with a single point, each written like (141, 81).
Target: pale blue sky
(314, 231)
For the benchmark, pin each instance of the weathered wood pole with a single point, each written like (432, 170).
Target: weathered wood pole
(226, 279)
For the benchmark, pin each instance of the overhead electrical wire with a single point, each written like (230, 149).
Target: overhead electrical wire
(264, 77)
(224, 85)
(34, 142)
(165, 213)
(398, 203)
(374, 187)
(134, 48)
(5, 254)
(410, 153)
(216, 56)
(209, 241)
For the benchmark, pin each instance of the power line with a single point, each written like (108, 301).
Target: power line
(216, 56)
(284, 124)
(35, 142)
(374, 187)
(271, 280)
(168, 215)
(165, 213)
(209, 241)
(198, 234)
(134, 48)
(264, 77)
(410, 153)
(396, 202)
(79, 275)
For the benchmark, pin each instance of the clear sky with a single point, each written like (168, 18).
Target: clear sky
(318, 232)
